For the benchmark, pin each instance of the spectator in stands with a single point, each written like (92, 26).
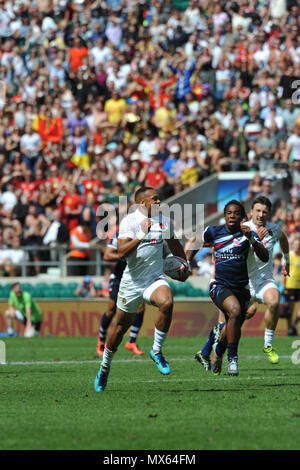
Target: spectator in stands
(76, 65)
(72, 204)
(265, 150)
(289, 115)
(273, 197)
(233, 162)
(9, 221)
(293, 145)
(57, 234)
(86, 288)
(8, 198)
(255, 187)
(36, 225)
(12, 258)
(30, 146)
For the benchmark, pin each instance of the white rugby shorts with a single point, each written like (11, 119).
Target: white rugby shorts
(131, 296)
(258, 290)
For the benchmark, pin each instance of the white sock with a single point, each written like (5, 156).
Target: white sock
(10, 331)
(107, 358)
(159, 338)
(269, 335)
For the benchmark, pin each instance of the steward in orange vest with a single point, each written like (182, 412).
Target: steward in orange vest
(80, 238)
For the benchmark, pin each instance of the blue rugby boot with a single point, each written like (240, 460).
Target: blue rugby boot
(161, 363)
(101, 380)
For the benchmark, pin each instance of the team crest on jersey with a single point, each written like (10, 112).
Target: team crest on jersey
(270, 232)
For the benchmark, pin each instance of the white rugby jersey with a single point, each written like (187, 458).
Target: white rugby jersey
(146, 262)
(257, 269)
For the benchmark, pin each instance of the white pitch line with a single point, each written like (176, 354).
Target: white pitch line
(133, 361)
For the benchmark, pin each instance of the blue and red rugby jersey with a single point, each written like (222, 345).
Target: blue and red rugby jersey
(230, 255)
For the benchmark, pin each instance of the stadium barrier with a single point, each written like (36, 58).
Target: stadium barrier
(196, 286)
(81, 317)
(54, 258)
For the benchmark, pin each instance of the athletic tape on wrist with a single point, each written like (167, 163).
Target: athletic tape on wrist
(141, 235)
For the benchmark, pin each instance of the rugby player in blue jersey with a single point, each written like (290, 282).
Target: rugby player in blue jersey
(228, 291)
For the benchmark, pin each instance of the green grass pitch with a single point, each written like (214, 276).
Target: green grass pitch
(47, 399)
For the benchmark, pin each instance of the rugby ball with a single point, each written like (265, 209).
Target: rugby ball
(174, 267)
(29, 332)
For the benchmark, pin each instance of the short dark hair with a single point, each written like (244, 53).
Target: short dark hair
(14, 284)
(141, 191)
(236, 203)
(262, 200)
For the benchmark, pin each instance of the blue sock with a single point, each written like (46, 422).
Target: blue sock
(105, 322)
(221, 348)
(232, 350)
(207, 348)
(135, 327)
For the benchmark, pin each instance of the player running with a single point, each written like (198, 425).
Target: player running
(228, 289)
(263, 288)
(140, 241)
(111, 254)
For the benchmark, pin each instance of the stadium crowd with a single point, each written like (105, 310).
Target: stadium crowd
(97, 98)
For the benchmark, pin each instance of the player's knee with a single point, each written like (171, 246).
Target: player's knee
(166, 305)
(273, 304)
(235, 313)
(9, 313)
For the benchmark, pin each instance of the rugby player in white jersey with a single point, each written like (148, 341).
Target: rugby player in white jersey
(263, 288)
(141, 236)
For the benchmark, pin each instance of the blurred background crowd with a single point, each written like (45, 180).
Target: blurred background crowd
(98, 98)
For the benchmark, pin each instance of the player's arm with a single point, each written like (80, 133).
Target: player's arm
(193, 245)
(28, 304)
(127, 245)
(258, 247)
(11, 303)
(176, 248)
(285, 248)
(28, 317)
(189, 252)
(111, 254)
